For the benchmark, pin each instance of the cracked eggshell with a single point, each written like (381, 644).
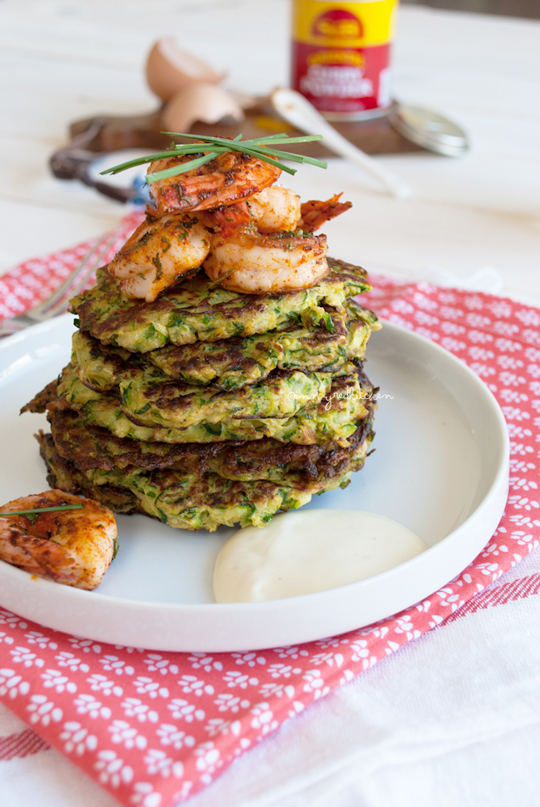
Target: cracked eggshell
(170, 69)
(200, 102)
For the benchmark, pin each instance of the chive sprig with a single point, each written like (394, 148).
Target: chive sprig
(40, 510)
(263, 148)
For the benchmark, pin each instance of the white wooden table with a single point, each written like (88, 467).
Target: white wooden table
(67, 59)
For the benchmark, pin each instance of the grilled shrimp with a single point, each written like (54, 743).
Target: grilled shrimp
(227, 220)
(275, 209)
(229, 178)
(157, 253)
(74, 547)
(258, 263)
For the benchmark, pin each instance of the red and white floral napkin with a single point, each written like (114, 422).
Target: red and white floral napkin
(155, 728)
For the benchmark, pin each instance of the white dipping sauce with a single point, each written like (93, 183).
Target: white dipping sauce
(304, 552)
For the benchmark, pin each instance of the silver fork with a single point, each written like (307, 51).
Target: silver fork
(58, 302)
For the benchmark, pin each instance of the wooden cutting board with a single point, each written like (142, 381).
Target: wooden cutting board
(374, 136)
(103, 134)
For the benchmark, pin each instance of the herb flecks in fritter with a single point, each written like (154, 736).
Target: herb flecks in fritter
(233, 363)
(198, 311)
(208, 407)
(190, 500)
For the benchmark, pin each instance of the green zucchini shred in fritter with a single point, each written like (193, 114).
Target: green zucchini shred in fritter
(92, 447)
(182, 500)
(231, 363)
(333, 418)
(196, 310)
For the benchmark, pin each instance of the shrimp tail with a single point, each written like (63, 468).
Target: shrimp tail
(315, 212)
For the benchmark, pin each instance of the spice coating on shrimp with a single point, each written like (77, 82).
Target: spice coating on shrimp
(275, 209)
(73, 547)
(250, 235)
(254, 263)
(157, 254)
(229, 178)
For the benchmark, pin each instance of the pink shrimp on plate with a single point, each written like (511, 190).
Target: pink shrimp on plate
(72, 546)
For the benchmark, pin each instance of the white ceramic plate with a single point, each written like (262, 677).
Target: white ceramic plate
(440, 468)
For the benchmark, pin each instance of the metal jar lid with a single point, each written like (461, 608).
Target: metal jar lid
(430, 130)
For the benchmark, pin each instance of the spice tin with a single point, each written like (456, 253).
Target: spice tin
(341, 56)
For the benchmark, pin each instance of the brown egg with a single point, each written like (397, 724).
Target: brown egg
(170, 69)
(200, 102)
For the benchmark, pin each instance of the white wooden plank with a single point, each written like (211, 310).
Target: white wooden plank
(235, 35)
(256, 45)
(501, 47)
(457, 221)
(44, 96)
(26, 177)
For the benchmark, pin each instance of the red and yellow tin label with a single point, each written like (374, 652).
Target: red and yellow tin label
(341, 55)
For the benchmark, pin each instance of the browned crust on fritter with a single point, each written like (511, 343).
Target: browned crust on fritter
(41, 401)
(170, 395)
(65, 476)
(92, 447)
(346, 269)
(182, 359)
(141, 312)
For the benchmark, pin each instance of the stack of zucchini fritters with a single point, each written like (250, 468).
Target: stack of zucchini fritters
(208, 407)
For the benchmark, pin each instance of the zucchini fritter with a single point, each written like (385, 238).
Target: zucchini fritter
(149, 398)
(95, 448)
(197, 310)
(233, 363)
(333, 418)
(188, 500)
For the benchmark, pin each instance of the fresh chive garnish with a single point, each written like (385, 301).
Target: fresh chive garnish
(171, 172)
(40, 510)
(260, 147)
